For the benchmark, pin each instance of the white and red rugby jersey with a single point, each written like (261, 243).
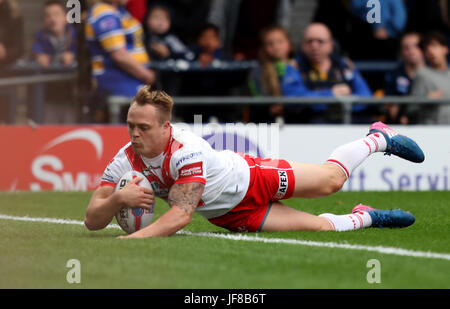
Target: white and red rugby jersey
(188, 158)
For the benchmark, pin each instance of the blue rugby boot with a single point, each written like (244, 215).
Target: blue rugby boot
(394, 218)
(399, 145)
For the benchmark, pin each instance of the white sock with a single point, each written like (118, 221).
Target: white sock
(340, 223)
(351, 155)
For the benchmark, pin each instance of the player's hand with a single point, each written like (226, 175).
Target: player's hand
(135, 196)
(127, 236)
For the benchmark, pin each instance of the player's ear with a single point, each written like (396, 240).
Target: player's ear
(166, 124)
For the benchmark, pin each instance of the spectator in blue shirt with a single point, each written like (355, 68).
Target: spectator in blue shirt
(208, 46)
(56, 43)
(398, 81)
(323, 73)
(377, 39)
(393, 17)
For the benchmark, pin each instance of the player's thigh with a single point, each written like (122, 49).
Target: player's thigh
(284, 218)
(315, 180)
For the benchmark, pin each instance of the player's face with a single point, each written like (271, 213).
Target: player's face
(148, 136)
(277, 45)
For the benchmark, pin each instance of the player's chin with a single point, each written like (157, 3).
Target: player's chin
(137, 148)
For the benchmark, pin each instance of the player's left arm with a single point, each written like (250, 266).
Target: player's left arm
(183, 199)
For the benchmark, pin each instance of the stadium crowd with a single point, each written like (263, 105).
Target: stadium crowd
(242, 47)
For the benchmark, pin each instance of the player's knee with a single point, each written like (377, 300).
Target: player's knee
(333, 184)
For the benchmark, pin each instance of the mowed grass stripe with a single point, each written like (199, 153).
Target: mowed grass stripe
(241, 237)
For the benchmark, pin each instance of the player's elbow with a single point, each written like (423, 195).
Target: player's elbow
(89, 224)
(92, 225)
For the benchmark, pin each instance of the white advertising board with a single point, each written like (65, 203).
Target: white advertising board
(314, 144)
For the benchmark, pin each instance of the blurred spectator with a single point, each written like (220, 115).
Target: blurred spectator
(160, 43)
(393, 17)
(425, 16)
(137, 9)
(55, 44)
(337, 16)
(11, 48)
(188, 17)
(11, 32)
(378, 40)
(116, 44)
(431, 15)
(323, 73)
(433, 80)
(240, 22)
(208, 46)
(399, 81)
(275, 67)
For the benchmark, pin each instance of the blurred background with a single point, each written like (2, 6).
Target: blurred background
(285, 61)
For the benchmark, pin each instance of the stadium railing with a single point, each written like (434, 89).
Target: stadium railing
(32, 76)
(35, 78)
(115, 102)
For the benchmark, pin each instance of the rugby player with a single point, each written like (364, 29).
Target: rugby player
(236, 191)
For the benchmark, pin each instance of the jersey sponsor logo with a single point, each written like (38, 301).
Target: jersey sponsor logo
(108, 23)
(188, 157)
(191, 170)
(283, 182)
(159, 191)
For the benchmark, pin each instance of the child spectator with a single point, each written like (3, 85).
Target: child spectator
(276, 65)
(56, 43)
(208, 45)
(160, 43)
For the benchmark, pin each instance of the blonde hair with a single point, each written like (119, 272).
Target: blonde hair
(269, 80)
(157, 98)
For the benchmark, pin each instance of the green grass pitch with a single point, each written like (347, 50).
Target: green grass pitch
(34, 254)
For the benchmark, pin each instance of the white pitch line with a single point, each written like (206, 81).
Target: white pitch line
(242, 237)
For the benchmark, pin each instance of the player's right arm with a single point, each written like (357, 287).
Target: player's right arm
(105, 203)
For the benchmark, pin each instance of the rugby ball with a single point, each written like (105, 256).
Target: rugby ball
(133, 219)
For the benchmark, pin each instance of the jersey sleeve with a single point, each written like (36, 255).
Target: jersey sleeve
(116, 168)
(188, 165)
(109, 32)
